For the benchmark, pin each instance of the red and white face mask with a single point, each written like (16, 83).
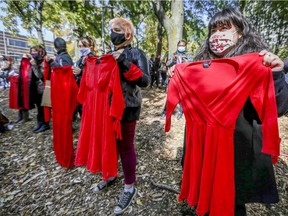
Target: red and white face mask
(221, 41)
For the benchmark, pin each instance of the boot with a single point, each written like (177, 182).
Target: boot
(44, 127)
(37, 127)
(20, 116)
(25, 116)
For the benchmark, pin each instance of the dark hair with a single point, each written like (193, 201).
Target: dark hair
(249, 42)
(181, 41)
(40, 49)
(60, 44)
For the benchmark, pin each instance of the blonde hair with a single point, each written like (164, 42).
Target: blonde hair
(127, 27)
(88, 42)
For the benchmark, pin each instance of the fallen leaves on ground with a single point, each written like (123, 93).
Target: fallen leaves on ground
(32, 183)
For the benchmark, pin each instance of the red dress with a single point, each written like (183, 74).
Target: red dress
(63, 100)
(13, 92)
(212, 99)
(103, 105)
(24, 102)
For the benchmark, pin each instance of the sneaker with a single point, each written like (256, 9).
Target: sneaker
(104, 184)
(124, 201)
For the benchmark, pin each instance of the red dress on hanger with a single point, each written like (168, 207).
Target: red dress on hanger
(24, 84)
(212, 94)
(13, 92)
(103, 105)
(64, 92)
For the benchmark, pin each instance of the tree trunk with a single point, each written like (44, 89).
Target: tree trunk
(159, 44)
(174, 24)
(40, 36)
(39, 22)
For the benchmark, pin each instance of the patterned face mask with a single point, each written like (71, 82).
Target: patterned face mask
(221, 41)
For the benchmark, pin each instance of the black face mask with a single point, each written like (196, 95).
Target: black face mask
(37, 57)
(117, 38)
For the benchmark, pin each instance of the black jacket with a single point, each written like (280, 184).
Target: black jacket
(80, 64)
(254, 174)
(62, 59)
(131, 89)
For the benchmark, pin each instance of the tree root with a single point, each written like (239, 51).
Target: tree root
(164, 187)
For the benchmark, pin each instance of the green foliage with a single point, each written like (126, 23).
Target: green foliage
(14, 9)
(270, 18)
(32, 41)
(29, 12)
(83, 17)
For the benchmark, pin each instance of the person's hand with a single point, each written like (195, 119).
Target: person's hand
(32, 61)
(76, 70)
(174, 58)
(48, 58)
(171, 71)
(28, 56)
(271, 60)
(117, 53)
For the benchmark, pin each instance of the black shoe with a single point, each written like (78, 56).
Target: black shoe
(240, 210)
(20, 116)
(124, 201)
(37, 127)
(25, 117)
(43, 128)
(179, 115)
(18, 120)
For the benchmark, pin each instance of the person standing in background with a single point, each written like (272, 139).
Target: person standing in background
(38, 54)
(62, 56)
(87, 47)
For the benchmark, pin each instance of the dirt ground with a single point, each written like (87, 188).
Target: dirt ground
(32, 183)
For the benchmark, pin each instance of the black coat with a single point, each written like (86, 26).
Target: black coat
(131, 89)
(254, 173)
(62, 59)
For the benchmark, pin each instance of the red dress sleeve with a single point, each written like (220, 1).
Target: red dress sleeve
(264, 100)
(134, 73)
(172, 100)
(117, 101)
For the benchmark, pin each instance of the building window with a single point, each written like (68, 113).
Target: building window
(18, 43)
(49, 49)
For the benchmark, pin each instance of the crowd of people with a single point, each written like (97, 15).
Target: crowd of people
(105, 93)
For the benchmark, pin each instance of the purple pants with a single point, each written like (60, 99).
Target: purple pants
(126, 150)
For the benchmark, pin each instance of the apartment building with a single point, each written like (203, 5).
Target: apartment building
(16, 45)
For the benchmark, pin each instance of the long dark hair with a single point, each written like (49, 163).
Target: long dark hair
(249, 42)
